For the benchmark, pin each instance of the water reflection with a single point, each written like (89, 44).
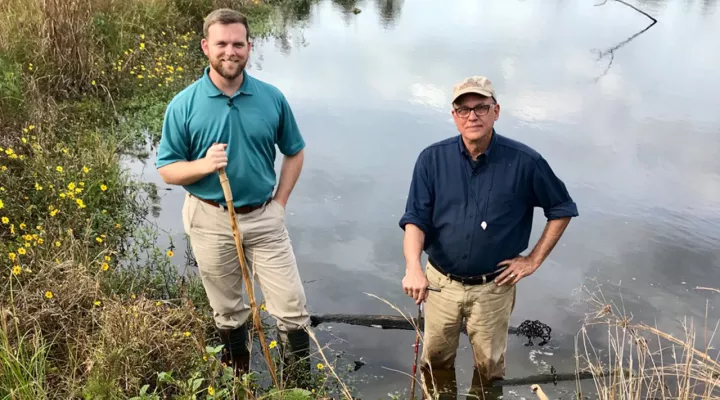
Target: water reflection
(389, 11)
(636, 149)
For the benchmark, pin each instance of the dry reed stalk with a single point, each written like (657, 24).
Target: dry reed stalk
(694, 373)
(345, 390)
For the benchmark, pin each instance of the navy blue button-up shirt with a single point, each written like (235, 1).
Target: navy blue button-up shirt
(452, 197)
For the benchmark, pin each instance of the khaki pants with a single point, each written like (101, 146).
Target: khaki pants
(486, 310)
(269, 257)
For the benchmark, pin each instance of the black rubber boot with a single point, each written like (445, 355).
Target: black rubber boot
(295, 353)
(235, 352)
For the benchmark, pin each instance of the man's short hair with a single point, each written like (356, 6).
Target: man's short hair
(225, 16)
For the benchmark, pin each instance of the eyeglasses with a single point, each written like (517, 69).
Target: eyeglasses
(480, 110)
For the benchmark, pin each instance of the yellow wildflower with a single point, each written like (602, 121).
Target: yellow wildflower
(93, 82)
(86, 170)
(105, 267)
(211, 391)
(59, 169)
(107, 258)
(58, 244)
(38, 187)
(142, 46)
(12, 256)
(22, 251)
(170, 253)
(71, 186)
(40, 241)
(97, 302)
(24, 140)
(80, 203)
(27, 237)
(23, 226)
(31, 127)
(103, 187)
(54, 213)
(16, 270)
(9, 151)
(273, 344)
(49, 294)
(320, 366)
(5, 220)
(2, 205)
(187, 334)
(3, 168)
(98, 239)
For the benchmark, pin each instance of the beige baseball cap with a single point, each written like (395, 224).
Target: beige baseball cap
(474, 84)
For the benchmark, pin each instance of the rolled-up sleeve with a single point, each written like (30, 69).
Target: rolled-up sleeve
(173, 144)
(419, 205)
(550, 193)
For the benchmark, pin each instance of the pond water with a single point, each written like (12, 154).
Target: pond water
(633, 131)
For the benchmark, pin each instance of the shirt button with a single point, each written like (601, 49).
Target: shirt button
(470, 216)
(467, 236)
(465, 257)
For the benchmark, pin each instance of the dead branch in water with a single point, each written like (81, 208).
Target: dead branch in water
(611, 51)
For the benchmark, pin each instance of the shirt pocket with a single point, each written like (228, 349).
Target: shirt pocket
(506, 207)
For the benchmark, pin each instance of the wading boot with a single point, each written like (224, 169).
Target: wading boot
(235, 352)
(295, 354)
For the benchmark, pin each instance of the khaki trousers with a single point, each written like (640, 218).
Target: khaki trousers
(486, 310)
(269, 255)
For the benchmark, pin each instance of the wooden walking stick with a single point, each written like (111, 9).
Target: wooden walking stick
(246, 275)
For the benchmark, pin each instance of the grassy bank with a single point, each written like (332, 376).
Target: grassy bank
(89, 306)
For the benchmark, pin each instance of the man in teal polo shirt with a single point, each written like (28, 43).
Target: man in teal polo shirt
(228, 119)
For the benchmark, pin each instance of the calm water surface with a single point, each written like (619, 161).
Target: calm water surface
(634, 133)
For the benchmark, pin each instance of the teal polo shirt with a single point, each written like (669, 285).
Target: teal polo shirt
(252, 122)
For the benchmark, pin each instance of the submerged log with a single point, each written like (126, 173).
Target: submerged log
(378, 321)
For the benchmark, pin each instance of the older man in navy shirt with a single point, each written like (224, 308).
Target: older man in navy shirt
(470, 208)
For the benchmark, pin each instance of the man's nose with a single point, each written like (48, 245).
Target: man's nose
(472, 116)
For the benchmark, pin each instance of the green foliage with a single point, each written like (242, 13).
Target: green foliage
(22, 365)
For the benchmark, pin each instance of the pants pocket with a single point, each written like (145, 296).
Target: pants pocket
(188, 212)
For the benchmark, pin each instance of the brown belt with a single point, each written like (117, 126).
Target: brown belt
(238, 210)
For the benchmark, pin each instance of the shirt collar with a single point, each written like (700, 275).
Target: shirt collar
(486, 153)
(213, 91)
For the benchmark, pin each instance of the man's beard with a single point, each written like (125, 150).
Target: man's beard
(217, 65)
